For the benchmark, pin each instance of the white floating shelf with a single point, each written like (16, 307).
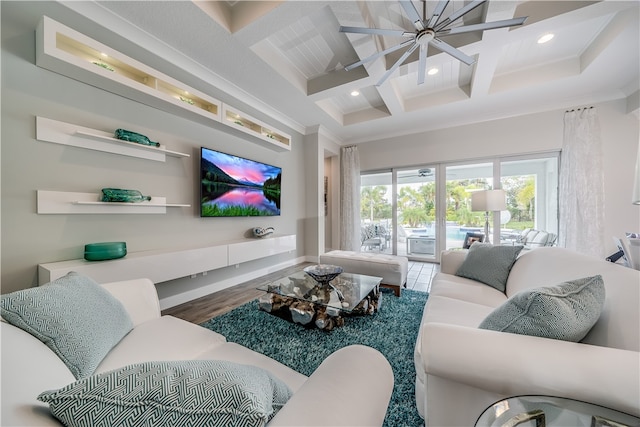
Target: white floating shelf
(273, 138)
(139, 146)
(62, 202)
(148, 204)
(57, 132)
(72, 54)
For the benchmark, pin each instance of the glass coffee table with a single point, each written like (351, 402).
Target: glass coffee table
(548, 411)
(300, 299)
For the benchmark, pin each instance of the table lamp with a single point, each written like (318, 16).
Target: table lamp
(488, 201)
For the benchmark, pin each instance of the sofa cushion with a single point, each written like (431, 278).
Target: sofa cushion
(460, 288)
(28, 367)
(489, 264)
(176, 393)
(74, 316)
(162, 339)
(451, 311)
(566, 311)
(237, 353)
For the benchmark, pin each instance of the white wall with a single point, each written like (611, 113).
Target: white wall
(319, 147)
(29, 165)
(522, 135)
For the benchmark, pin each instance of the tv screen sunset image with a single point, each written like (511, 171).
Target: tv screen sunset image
(235, 186)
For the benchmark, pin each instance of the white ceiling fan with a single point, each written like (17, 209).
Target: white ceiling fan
(428, 32)
(420, 173)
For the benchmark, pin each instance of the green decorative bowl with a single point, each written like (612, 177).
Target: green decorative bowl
(104, 251)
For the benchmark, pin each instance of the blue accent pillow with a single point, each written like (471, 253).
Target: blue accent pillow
(175, 393)
(566, 311)
(489, 264)
(75, 317)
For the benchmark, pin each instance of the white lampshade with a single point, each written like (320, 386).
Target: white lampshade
(489, 201)
(635, 197)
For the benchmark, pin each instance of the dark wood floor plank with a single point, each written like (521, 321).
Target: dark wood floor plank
(204, 308)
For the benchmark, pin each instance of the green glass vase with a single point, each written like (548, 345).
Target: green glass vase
(127, 135)
(126, 196)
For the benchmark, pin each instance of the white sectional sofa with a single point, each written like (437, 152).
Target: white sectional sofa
(341, 392)
(462, 369)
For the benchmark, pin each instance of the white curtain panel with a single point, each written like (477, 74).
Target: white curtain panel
(582, 184)
(349, 199)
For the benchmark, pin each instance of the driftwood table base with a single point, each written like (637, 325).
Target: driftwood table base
(311, 315)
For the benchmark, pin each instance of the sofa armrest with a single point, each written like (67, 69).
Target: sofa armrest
(451, 260)
(351, 387)
(511, 364)
(139, 297)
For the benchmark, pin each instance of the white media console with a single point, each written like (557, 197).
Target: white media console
(161, 266)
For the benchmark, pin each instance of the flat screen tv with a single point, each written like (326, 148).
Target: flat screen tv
(235, 186)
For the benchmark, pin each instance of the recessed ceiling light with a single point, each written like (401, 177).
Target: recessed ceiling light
(432, 71)
(355, 93)
(545, 38)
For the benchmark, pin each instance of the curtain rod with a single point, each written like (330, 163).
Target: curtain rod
(578, 109)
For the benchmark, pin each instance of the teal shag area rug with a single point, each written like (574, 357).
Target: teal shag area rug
(392, 331)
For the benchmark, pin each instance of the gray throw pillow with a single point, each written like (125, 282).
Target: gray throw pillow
(565, 312)
(75, 317)
(489, 264)
(175, 393)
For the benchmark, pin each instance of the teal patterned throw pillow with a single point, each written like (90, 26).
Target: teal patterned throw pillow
(489, 264)
(75, 317)
(565, 312)
(177, 393)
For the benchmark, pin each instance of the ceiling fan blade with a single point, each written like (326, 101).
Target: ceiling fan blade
(483, 26)
(447, 48)
(397, 64)
(378, 31)
(459, 13)
(422, 64)
(437, 13)
(413, 14)
(378, 54)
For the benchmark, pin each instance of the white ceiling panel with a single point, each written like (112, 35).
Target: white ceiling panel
(288, 60)
(568, 42)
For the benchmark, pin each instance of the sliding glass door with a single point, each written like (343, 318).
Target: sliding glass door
(376, 227)
(460, 219)
(532, 195)
(419, 211)
(416, 213)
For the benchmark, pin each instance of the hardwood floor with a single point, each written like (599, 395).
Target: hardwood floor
(202, 309)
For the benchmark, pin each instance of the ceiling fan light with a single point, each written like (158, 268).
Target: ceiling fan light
(432, 71)
(546, 38)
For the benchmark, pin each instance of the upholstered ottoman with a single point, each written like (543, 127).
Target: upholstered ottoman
(392, 269)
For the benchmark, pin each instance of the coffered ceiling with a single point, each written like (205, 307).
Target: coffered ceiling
(287, 59)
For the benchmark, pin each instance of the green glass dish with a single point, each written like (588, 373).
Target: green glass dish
(104, 251)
